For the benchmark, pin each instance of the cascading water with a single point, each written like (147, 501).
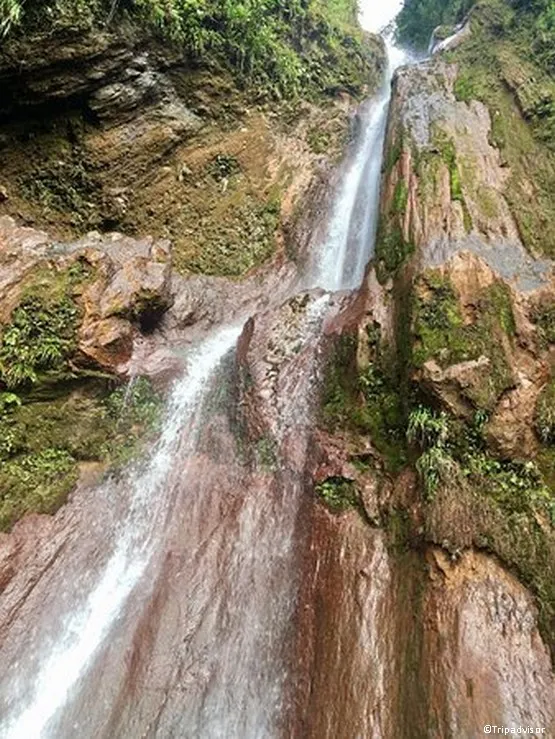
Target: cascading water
(40, 690)
(351, 231)
(230, 558)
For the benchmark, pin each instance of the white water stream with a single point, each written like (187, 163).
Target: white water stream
(85, 628)
(39, 687)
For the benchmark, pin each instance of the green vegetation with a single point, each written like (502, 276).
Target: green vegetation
(451, 451)
(40, 338)
(266, 453)
(54, 416)
(543, 316)
(470, 497)
(319, 140)
(223, 166)
(418, 19)
(43, 443)
(391, 248)
(545, 414)
(449, 156)
(233, 246)
(62, 183)
(400, 197)
(338, 493)
(280, 47)
(365, 401)
(497, 68)
(441, 333)
(430, 431)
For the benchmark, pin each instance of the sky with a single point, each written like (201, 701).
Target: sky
(375, 14)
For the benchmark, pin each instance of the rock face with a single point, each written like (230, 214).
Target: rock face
(485, 660)
(416, 627)
(129, 287)
(393, 646)
(133, 137)
(444, 200)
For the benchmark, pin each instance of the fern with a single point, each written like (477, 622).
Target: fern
(10, 15)
(40, 338)
(427, 428)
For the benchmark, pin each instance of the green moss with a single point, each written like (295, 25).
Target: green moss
(465, 87)
(35, 482)
(41, 336)
(63, 183)
(500, 306)
(233, 245)
(391, 248)
(338, 493)
(399, 530)
(545, 414)
(400, 197)
(448, 153)
(495, 67)
(393, 153)
(319, 140)
(42, 443)
(441, 333)
(438, 322)
(543, 316)
(365, 402)
(382, 413)
(506, 507)
(266, 453)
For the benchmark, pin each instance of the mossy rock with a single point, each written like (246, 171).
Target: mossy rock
(365, 401)
(441, 333)
(519, 94)
(545, 414)
(43, 443)
(42, 334)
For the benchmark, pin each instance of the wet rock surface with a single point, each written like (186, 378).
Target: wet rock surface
(483, 655)
(390, 615)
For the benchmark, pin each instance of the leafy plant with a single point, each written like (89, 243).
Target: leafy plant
(35, 482)
(10, 15)
(338, 493)
(435, 466)
(282, 47)
(223, 166)
(427, 428)
(545, 414)
(431, 431)
(39, 338)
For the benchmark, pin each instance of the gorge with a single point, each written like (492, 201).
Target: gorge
(331, 510)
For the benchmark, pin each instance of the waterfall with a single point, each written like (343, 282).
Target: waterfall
(48, 683)
(340, 263)
(114, 555)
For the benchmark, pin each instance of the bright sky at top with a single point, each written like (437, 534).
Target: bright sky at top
(375, 14)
